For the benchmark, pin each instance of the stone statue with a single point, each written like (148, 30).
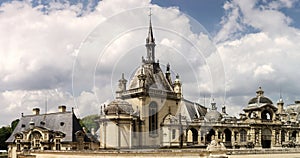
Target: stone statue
(217, 149)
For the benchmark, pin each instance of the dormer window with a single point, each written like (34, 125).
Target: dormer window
(62, 123)
(266, 115)
(42, 123)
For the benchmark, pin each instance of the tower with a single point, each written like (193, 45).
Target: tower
(168, 74)
(121, 86)
(150, 44)
(280, 104)
(177, 86)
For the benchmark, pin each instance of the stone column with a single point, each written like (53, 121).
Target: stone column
(199, 136)
(232, 138)
(252, 135)
(273, 142)
(258, 139)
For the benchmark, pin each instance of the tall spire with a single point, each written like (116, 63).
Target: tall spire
(150, 43)
(150, 38)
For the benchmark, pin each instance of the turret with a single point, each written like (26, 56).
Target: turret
(280, 104)
(121, 86)
(259, 92)
(168, 74)
(224, 109)
(150, 44)
(177, 86)
(142, 78)
(213, 105)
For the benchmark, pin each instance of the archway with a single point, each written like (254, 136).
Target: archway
(228, 134)
(266, 138)
(209, 136)
(192, 136)
(294, 135)
(266, 115)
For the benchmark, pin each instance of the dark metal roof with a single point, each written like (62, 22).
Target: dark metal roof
(65, 122)
(118, 107)
(260, 99)
(155, 78)
(213, 115)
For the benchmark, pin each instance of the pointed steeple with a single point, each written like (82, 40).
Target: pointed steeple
(150, 38)
(150, 43)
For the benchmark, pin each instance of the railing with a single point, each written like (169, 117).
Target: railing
(150, 91)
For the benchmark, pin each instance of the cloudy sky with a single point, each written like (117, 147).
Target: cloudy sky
(73, 52)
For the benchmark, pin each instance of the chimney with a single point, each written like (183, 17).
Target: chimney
(36, 111)
(280, 104)
(62, 108)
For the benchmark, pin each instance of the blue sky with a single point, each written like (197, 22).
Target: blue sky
(208, 12)
(252, 43)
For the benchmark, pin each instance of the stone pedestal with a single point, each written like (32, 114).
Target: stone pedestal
(216, 150)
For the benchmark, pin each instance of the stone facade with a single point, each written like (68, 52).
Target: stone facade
(59, 131)
(153, 113)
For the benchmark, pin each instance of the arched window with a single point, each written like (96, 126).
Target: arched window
(243, 135)
(153, 119)
(35, 138)
(266, 115)
(294, 135)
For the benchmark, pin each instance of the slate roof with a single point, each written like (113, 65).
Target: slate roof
(155, 78)
(213, 115)
(260, 99)
(65, 122)
(192, 110)
(118, 106)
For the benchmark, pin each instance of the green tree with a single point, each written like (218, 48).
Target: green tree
(89, 122)
(14, 124)
(5, 132)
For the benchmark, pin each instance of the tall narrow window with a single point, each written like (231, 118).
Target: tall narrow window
(57, 144)
(18, 145)
(282, 136)
(35, 138)
(153, 118)
(243, 135)
(173, 133)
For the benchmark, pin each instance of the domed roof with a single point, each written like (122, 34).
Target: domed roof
(260, 99)
(118, 106)
(213, 115)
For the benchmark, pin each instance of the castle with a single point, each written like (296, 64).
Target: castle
(151, 112)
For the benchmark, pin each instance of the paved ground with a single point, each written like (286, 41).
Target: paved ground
(293, 155)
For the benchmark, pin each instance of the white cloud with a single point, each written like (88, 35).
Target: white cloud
(38, 50)
(263, 70)
(265, 57)
(41, 48)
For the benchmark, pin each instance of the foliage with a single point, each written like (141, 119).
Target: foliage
(14, 124)
(89, 122)
(5, 132)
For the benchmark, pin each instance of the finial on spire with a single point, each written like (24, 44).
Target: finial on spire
(168, 67)
(150, 13)
(213, 104)
(259, 92)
